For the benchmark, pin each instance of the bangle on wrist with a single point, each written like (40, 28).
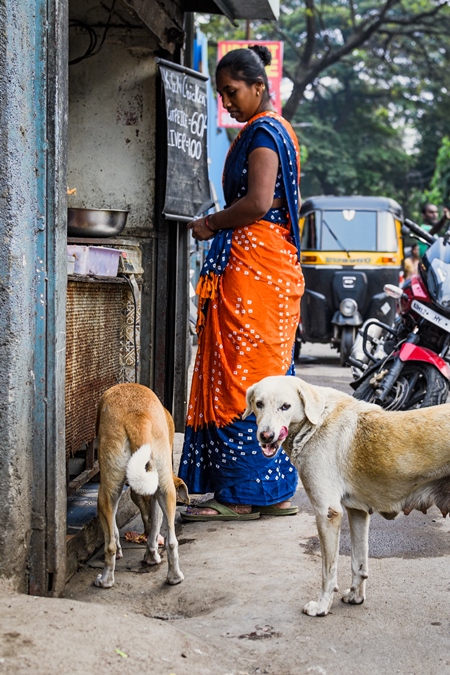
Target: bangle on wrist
(208, 224)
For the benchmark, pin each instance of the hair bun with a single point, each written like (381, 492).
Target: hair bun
(263, 53)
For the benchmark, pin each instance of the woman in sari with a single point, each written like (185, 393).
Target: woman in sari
(249, 302)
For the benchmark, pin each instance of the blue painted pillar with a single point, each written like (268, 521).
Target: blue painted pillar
(33, 160)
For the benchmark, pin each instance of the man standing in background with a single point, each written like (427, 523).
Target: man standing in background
(411, 262)
(430, 222)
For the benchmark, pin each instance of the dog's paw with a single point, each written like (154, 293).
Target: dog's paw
(353, 596)
(152, 558)
(320, 608)
(104, 581)
(174, 578)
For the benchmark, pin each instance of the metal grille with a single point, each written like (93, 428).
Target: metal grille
(93, 359)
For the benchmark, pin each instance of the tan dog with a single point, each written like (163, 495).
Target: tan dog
(135, 439)
(353, 454)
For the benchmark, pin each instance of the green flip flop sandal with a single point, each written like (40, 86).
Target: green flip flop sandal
(223, 513)
(275, 511)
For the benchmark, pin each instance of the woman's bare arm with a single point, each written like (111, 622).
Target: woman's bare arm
(262, 176)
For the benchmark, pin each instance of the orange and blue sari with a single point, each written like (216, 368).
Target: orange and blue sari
(249, 305)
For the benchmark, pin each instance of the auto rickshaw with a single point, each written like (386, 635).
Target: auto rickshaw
(350, 248)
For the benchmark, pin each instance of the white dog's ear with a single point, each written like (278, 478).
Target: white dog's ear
(312, 400)
(248, 411)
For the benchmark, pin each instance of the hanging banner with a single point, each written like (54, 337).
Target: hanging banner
(274, 75)
(187, 191)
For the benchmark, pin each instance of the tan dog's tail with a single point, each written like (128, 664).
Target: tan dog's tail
(141, 474)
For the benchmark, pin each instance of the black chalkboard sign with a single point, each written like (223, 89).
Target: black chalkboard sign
(187, 191)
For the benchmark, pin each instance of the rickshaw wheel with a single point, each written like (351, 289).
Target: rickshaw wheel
(420, 385)
(346, 344)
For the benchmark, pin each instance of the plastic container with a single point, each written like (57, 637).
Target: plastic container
(70, 264)
(81, 257)
(103, 262)
(131, 260)
(98, 261)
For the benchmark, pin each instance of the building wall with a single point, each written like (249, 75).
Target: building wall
(111, 165)
(17, 217)
(27, 277)
(113, 145)
(112, 132)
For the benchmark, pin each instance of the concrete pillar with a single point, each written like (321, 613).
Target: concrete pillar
(33, 105)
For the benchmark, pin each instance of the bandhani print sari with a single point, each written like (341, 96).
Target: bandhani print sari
(249, 303)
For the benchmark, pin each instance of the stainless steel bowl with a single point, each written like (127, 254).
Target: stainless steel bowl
(95, 222)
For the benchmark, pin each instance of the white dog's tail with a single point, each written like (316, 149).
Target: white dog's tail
(142, 477)
(141, 472)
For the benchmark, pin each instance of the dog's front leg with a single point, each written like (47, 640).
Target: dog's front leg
(329, 527)
(359, 535)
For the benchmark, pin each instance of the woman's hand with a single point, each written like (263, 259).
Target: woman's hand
(200, 230)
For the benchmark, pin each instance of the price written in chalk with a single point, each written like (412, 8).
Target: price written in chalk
(191, 129)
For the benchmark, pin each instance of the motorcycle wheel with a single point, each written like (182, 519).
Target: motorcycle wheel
(420, 385)
(347, 340)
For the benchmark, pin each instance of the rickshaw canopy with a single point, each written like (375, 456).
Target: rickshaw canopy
(357, 202)
(356, 223)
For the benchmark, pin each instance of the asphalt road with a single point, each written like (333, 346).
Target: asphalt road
(319, 364)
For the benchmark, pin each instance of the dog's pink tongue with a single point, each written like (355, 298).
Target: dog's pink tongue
(283, 433)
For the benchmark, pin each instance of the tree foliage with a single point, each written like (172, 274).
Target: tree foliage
(440, 183)
(319, 35)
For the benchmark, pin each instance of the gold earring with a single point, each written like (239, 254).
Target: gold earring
(257, 93)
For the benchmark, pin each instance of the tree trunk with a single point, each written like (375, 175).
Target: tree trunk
(293, 101)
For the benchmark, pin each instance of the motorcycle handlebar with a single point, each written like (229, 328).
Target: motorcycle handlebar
(417, 230)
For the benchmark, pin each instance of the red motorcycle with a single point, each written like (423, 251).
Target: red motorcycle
(407, 365)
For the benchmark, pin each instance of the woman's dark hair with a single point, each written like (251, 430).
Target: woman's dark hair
(247, 65)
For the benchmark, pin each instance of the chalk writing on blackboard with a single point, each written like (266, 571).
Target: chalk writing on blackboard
(186, 116)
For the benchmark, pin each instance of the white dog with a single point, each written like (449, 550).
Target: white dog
(353, 454)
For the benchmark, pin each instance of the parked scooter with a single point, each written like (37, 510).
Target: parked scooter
(406, 365)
